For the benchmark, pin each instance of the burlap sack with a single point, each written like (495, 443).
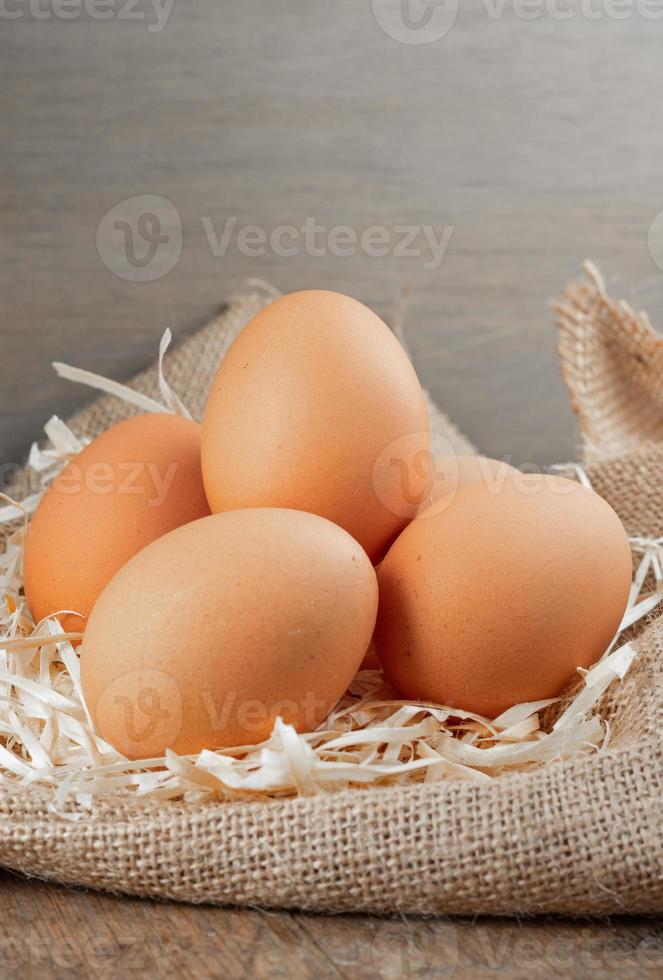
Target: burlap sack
(580, 836)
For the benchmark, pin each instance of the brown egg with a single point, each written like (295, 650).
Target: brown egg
(214, 630)
(450, 472)
(317, 407)
(137, 481)
(447, 473)
(495, 598)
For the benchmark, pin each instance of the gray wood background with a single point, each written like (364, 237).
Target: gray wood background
(539, 141)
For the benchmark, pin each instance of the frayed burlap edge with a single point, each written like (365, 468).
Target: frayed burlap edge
(612, 363)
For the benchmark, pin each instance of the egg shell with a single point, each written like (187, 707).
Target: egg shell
(214, 630)
(138, 480)
(450, 472)
(317, 407)
(489, 599)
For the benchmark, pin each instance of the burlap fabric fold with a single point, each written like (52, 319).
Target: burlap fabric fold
(579, 837)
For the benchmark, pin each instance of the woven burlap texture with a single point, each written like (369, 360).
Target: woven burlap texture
(612, 362)
(579, 837)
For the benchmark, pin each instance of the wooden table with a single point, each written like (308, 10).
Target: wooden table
(49, 931)
(538, 142)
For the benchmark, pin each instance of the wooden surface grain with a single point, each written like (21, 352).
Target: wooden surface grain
(49, 931)
(538, 142)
